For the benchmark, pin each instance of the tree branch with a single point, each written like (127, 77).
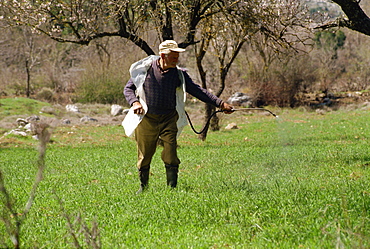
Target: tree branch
(357, 18)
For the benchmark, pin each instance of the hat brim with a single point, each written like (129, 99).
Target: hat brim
(179, 50)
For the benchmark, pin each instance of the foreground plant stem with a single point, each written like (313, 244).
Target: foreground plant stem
(14, 227)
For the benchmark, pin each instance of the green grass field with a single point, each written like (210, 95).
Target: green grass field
(301, 181)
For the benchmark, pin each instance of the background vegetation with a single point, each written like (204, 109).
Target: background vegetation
(336, 61)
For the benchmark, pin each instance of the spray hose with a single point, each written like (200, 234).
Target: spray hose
(215, 112)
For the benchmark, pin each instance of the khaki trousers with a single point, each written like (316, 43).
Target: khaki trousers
(147, 133)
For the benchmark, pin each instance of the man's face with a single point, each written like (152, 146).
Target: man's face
(171, 59)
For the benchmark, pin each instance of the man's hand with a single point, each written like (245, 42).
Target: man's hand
(226, 108)
(138, 108)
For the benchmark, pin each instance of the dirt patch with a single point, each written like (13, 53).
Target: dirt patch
(88, 115)
(99, 114)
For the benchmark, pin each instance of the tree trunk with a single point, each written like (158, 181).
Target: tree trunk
(28, 79)
(208, 112)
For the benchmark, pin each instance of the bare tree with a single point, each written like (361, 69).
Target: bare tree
(81, 21)
(224, 44)
(32, 57)
(221, 26)
(276, 21)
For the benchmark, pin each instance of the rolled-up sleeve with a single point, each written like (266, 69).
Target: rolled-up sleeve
(129, 92)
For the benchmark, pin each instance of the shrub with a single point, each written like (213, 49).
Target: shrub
(45, 94)
(101, 86)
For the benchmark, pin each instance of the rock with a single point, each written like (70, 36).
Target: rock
(21, 122)
(48, 110)
(88, 119)
(17, 132)
(231, 126)
(116, 110)
(239, 98)
(320, 111)
(65, 121)
(72, 108)
(28, 127)
(33, 118)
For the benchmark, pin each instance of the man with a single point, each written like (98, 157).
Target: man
(156, 94)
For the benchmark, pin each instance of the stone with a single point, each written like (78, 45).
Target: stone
(72, 108)
(116, 110)
(33, 118)
(17, 132)
(48, 110)
(88, 119)
(239, 98)
(21, 122)
(231, 126)
(65, 121)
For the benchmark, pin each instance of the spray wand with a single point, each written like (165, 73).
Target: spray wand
(258, 109)
(233, 110)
